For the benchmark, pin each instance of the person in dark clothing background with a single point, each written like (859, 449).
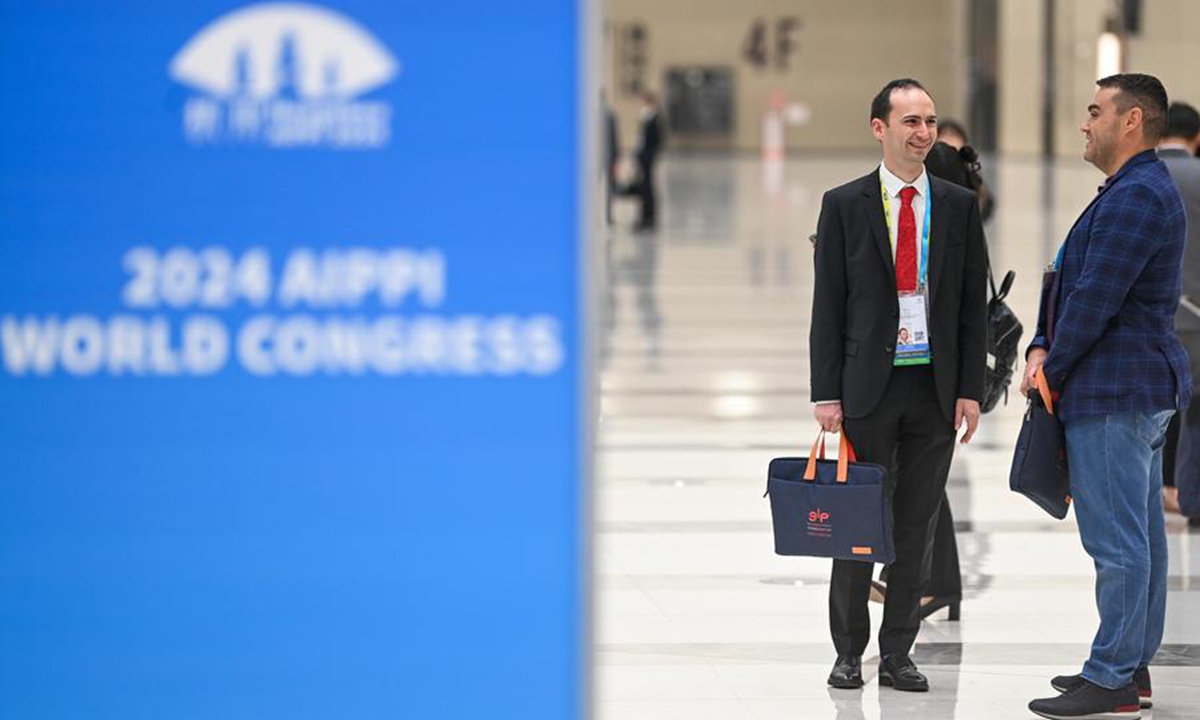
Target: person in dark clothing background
(649, 145)
(610, 156)
(952, 133)
(1181, 469)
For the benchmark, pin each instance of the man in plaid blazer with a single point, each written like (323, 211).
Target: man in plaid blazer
(1107, 345)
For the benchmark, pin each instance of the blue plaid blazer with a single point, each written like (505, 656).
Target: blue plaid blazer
(1113, 346)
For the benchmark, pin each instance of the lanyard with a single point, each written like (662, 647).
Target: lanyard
(887, 217)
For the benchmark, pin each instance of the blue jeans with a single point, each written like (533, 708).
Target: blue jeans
(1116, 488)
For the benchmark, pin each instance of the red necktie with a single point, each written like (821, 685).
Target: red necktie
(906, 244)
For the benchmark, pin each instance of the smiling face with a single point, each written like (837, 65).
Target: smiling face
(1102, 128)
(910, 131)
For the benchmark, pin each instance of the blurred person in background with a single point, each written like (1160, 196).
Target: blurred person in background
(649, 145)
(611, 154)
(952, 133)
(1181, 456)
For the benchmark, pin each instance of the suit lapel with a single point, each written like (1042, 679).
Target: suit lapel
(873, 209)
(937, 235)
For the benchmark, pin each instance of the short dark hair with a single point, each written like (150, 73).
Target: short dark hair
(1182, 121)
(1141, 91)
(944, 162)
(954, 126)
(881, 106)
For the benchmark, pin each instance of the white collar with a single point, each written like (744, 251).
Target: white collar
(894, 184)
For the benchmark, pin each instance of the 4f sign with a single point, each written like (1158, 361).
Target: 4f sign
(285, 75)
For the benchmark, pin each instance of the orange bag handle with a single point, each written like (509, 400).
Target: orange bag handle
(845, 457)
(1043, 387)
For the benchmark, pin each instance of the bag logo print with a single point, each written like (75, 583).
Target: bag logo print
(819, 523)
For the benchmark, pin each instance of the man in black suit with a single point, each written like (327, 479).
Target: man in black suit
(649, 144)
(897, 248)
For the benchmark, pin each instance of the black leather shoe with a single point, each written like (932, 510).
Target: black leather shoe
(898, 671)
(847, 673)
(1141, 680)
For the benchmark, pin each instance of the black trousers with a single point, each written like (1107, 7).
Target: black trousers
(1183, 419)
(610, 189)
(1171, 449)
(945, 579)
(945, 575)
(1180, 422)
(907, 434)
(648, 216)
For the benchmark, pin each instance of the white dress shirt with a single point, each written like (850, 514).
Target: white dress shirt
(893, 185)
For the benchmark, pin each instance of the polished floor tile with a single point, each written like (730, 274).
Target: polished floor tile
(703, 378)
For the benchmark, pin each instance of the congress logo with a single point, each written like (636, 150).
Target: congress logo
(285, 75)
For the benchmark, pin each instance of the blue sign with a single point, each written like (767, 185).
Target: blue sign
(290, 360)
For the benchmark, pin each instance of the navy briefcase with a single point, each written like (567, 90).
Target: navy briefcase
(1039, 468)
(830, 508)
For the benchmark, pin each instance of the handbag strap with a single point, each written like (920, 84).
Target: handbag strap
(1044, 390)
(991, 278)
(846, 456)
(1005, 285)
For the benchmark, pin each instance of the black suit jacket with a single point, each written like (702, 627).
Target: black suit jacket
(855, 311)
(650, 139)
(612, 146)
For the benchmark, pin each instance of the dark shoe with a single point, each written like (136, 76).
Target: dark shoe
(847, 673)
(1141, 680)
(1066, 683)
(1089, 700)
(932, 603)
(898, 671)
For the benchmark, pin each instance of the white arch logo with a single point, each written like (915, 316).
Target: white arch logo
(285, 75)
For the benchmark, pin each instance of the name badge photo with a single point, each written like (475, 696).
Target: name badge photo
(912, 338)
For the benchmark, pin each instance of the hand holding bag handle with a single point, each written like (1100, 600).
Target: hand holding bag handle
(817, 513)
(1043, 388)
(845, 457)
